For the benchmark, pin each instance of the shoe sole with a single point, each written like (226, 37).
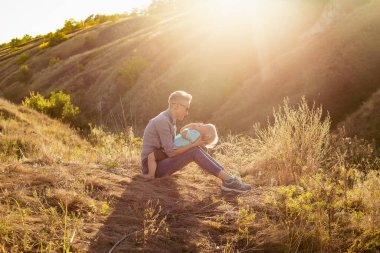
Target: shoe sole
(233, 190)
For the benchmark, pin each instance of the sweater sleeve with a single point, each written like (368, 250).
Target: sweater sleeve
(165, 134)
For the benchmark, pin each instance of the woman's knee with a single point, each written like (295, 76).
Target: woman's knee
(196, 152)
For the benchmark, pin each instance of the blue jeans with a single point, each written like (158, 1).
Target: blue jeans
(170, 165)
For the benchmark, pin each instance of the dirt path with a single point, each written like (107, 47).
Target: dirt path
(186, 204)
(186, 212)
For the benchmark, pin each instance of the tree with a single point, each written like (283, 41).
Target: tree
(71, 25)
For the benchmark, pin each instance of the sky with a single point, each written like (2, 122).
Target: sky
(20, 17)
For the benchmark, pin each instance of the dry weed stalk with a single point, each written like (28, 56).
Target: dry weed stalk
(296, 143)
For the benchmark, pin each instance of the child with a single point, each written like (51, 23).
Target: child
(188, 134)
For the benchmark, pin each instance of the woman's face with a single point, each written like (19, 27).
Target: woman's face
(181, 109)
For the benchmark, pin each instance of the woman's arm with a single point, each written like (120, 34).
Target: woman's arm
(175, 152)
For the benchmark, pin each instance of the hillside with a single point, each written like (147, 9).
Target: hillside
(238, 67)
(314, 188)
(336, 68)
(126, 69)
(55, 189)
(60, 192)
(36, 138)
(364, 122)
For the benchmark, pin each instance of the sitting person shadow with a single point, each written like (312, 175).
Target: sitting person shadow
(150, 216)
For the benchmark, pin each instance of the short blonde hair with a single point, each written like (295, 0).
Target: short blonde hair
(178, 96)
(212, 134)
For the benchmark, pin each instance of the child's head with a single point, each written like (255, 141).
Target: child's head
(209, 134)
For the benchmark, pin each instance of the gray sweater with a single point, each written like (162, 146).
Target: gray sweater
(159, 133)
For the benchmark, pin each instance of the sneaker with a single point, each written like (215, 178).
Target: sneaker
(236, 185)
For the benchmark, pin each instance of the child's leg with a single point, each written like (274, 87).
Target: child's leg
(152, 165)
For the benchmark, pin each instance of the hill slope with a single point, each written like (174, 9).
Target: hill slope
(53, 190)
(57, 194)
(135, 63)
(34, 137)
(364, 122)
(336, 68)
(238, 69)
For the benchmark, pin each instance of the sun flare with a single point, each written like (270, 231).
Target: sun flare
(269, 24)
(244, 11)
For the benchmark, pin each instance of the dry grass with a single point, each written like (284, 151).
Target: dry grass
(34, 137)
(42, 206)
(295, 144)
(365, 121)
(88, 204)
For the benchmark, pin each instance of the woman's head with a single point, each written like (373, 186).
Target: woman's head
(208, 133)
(179, 104)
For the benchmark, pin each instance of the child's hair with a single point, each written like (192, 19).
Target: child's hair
(213, 134)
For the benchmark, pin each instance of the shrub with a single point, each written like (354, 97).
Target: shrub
(54, 38)
(352, 152)
(366, 196)
(296, 143)
(71, 25)
(325, 212)
(43, 45)
(155, 225)
(131, 70)
(114, 149)
(16, 42)
(53, 61)
(25, 73)
(37, 102)
(98, 19)
(158, 6)
(294, 207)
(367, 242)
(236, 153)
(58, 105)
(61, 106)
(23, 58)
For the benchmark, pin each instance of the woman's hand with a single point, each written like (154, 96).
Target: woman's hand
(199, 142)
(184, 133)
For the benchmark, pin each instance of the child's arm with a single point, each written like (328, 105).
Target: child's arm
(189, 126)
(184, 132)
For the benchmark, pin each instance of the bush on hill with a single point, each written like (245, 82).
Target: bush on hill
(296, 143)
(71, 25)
(58, 105)
(53, 61)
(15, 43)
(130, 71)
(98, 19)
(23, 58)
(55, 38)
(25, 73)
(325, 185)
